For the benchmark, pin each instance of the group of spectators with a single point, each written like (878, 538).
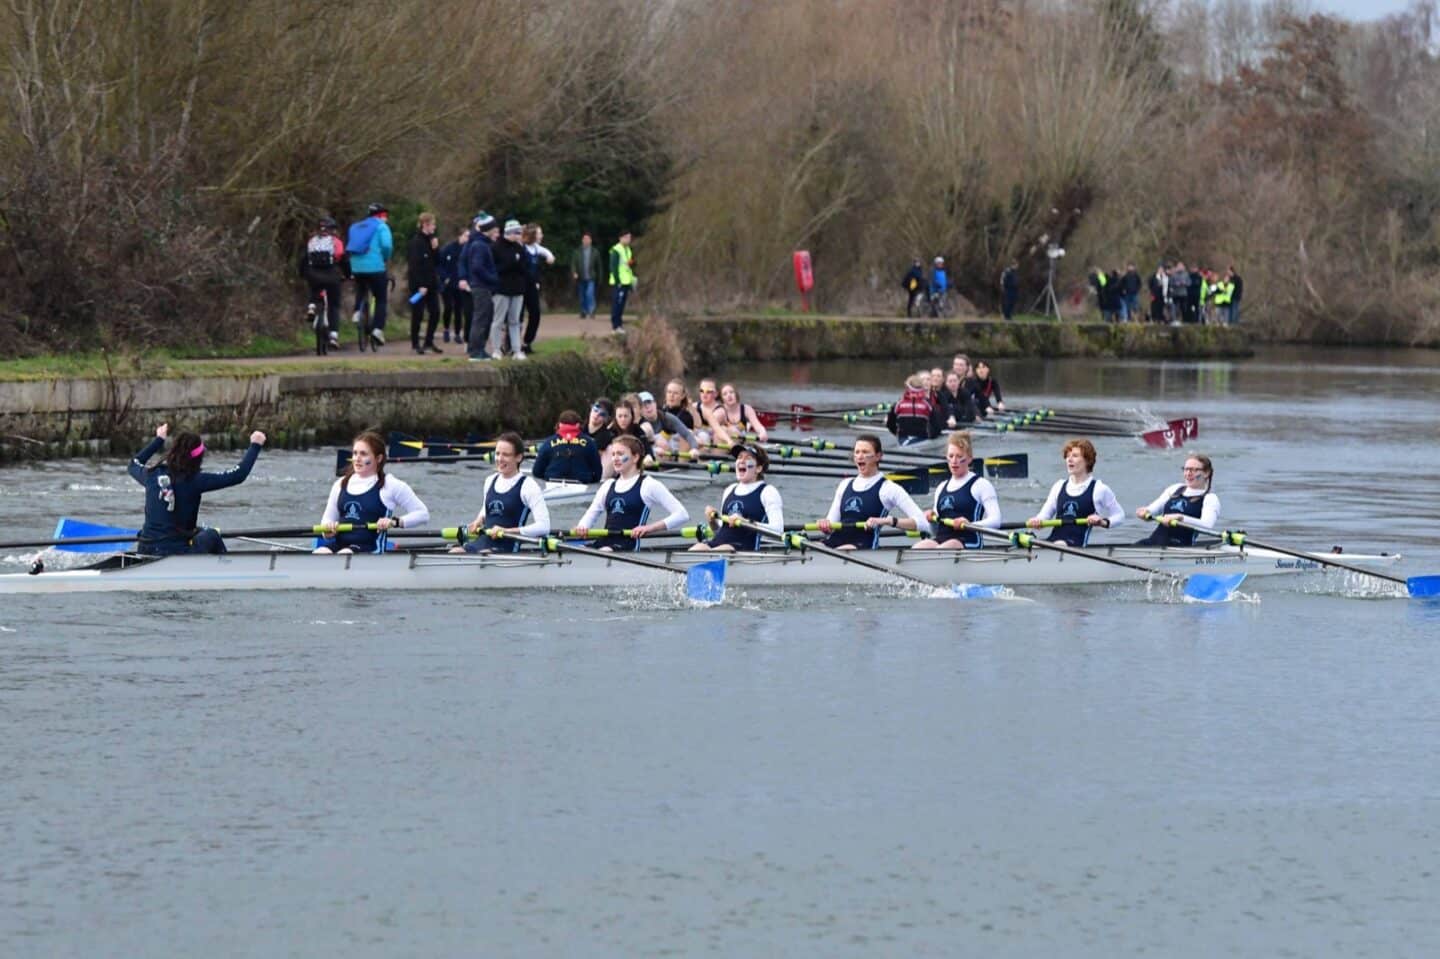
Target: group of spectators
(475, 289)
(939, 400)
(1178, 294)
(666, 426)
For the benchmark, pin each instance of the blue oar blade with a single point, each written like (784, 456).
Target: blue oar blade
(67, 528)
(1423, 586)
(1212, 589)
(973, 591)
(705, 582)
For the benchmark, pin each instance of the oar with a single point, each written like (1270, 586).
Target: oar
(1416, 586)
(704, 582)
(1198, 586)
(1007, 466)
(120, 537)
(911, 481)
(953, 591)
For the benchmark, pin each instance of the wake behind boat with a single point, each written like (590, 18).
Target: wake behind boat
(766, 568)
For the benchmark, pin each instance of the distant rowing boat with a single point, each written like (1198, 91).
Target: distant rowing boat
(410, 571)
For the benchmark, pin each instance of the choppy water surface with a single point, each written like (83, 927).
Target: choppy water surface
(1090, 772)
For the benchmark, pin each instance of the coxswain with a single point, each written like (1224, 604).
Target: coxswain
(626, 502)
(915, 419)
(512, 501)
(987, 390)
(364, 495)
(1191, 500)
(866, 501)
(600, 426)
(569, 455)
(749, 498)
(173, 488)
(1079, 496)
(964, 500)
(731, 420)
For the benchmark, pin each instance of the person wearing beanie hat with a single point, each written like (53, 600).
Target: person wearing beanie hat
(748, 498)
(509, 300)
(478, 281)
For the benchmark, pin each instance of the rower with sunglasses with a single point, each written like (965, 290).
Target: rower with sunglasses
(625, 503)
(1190, 500)
(748, 498)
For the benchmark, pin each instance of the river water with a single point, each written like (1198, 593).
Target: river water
(1081, 772)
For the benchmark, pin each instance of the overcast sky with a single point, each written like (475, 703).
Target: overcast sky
(1361, 9)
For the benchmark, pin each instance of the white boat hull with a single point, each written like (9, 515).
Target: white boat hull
(997, 566)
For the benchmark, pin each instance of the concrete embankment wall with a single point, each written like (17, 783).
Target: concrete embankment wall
(97, 417)
(732, 339)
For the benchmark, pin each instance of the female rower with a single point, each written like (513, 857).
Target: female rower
(677, 403)
(750, 498)
(1190, 500)
(956, 403)
(627, 417)
(965, 499)
(626, 501)
(365, 495)
(664, 431)
(513, 503)
(866, 500)
(732, 418)
(173, 488)
(987, 390)
(705, 406)
(1079, 496)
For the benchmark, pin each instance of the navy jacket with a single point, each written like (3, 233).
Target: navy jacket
(477, 265)
(172, 506)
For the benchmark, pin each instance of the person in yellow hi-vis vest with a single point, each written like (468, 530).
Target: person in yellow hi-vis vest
(622, 279)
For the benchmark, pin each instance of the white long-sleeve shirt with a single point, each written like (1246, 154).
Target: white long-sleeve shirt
(652, 491)
(396, 494)
(1106, 505)
(769, 498)
(892, 497)
(530, 494)
(983, 491)
(1209, 508)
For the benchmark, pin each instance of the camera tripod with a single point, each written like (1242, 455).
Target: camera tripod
(1047, 304)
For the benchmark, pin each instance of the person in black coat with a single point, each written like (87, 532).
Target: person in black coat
(915, 285)
(424, 283)
(447, 268)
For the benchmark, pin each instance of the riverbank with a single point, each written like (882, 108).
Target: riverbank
(729, 339)
(97, 405)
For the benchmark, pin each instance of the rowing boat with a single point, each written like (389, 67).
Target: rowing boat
(420, 570)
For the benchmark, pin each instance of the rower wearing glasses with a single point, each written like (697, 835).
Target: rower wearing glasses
(863, 504)
(1190, 500)
(627, 502)
(749, 498)
(1079, 496)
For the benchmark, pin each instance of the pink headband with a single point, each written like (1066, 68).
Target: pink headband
(198, 451)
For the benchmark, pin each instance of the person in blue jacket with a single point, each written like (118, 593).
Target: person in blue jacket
(369, 246)
(569, 455)
(173, 488)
